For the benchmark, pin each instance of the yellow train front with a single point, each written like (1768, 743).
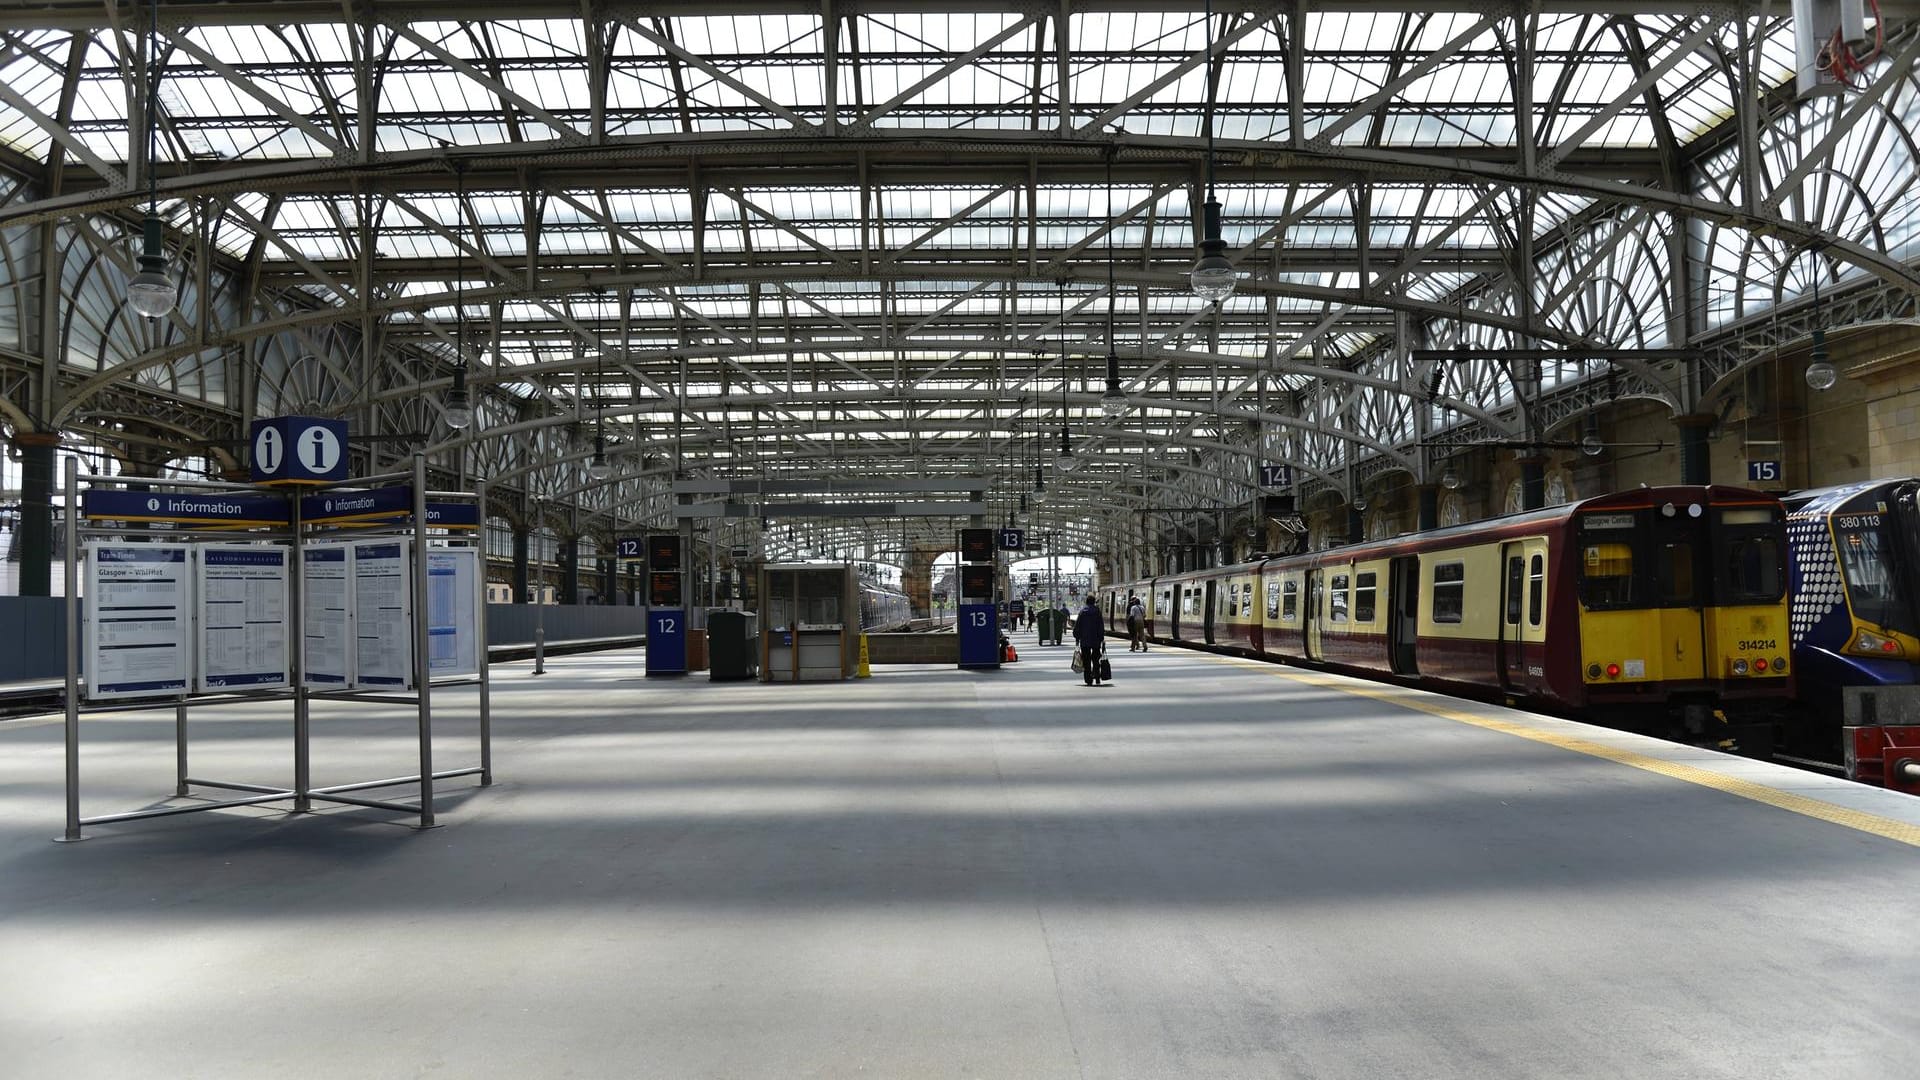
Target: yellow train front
(1661, 610)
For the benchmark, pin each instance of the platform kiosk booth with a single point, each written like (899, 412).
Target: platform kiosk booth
(810, 622)
(979, 618)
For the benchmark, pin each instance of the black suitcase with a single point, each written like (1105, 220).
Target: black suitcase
(1106, 670)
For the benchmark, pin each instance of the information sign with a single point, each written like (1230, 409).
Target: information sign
(382, 626)
(664, 590)
(1276, 476)
(976, 583)
(979, 631)
(666, 641)
(1760, 472)
(382, 505)
(1013, 540)
(453, 588)
(663, 551)
(242, 601)
(629, 547)
(328, 614)
(299, 450)
(137, 642)
(976, 545)
(184, 509)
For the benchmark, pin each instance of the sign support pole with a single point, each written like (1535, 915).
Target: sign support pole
(72, 531)
(297, 663)
(422, 670)
(480, 618)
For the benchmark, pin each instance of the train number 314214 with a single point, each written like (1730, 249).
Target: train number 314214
(1758, 643)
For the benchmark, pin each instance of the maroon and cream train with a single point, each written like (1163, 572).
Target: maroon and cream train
(1661, 609)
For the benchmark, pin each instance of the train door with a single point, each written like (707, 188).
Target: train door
(1316, 595)
(1206, 616)
(1523, 615)
(1403, 613)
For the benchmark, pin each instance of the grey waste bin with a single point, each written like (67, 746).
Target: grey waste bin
(733, 645)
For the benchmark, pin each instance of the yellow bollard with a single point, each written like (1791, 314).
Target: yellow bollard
(863, 671)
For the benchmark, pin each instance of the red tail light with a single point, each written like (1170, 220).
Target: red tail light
(1613, 671)
(1759, 665)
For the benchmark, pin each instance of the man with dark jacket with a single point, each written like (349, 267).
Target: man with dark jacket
(1090, 633)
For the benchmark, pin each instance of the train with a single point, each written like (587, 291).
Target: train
(883, 608)
(1662, 610)
(1855, 552)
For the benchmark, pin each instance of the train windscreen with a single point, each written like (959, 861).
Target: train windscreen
(1750, 565)
(1869, 559)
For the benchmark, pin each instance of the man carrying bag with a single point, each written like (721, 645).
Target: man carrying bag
(1090, 633)
(1136, 624)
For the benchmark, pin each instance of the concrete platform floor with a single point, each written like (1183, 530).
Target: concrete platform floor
(1210, 869)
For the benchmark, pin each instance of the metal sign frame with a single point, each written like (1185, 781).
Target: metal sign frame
(294, 534)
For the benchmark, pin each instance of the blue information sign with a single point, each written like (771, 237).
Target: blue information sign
(1276, 475)
(979, 636)
(299, 450)
(184, 509)
(666, 641)
(382, 505)
(1763, 472)
(1013, 540)
(630, 547)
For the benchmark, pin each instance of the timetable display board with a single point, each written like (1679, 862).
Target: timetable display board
(976, 545)
(241, 599)
(382, 615)
(138, 641)
(328, 613)
(453, 601)
(663, 551)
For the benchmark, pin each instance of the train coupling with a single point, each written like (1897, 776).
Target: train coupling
(1881, 737)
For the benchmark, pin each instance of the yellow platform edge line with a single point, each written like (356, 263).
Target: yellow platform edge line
(1861, 821)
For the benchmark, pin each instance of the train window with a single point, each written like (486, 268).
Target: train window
(1516, 570)
(1273, 600)
(1365, 590)
(1337, 601)
(1675, 570)
(1606, 574)
(1289, 601)
(1751, 570)
(1449, 592)
(1536, 588)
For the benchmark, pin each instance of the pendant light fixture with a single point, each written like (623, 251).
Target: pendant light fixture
(1114, 402)
(1821, 374)
(1213, 277)
(598, 469)
(150, 291)
(457, 408)
(1066, 462)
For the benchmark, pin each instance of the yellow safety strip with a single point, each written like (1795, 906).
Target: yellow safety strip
(1899, 831)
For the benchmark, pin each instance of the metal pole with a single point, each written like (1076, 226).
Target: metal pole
(539, 607)
(297, 661)
(422, 674)
(480, 647)
(72, 833)
(180, 748)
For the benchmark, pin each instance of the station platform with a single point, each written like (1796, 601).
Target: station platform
(1211, 868)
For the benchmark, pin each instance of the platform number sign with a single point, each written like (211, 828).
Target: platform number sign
(629, 547)
(1013, 540)
(299, 450)
(1274, 476)
(1763, 472)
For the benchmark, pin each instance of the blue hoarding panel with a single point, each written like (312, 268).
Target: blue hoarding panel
(666, 641)
(979, 636)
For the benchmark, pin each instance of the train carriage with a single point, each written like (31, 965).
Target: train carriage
(1660, 609)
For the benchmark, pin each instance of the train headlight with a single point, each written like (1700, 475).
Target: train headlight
(1593, 671)
(1779, 665)
(1739, 667)
(1868, 643)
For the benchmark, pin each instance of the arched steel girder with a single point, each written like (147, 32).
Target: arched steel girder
(1248, 157)
(736, 402)
(556, 291)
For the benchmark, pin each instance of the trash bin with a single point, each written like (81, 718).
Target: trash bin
(733, 645)
(1052, 626)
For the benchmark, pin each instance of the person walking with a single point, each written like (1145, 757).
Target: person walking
(1136, 624)
(1090, 633)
